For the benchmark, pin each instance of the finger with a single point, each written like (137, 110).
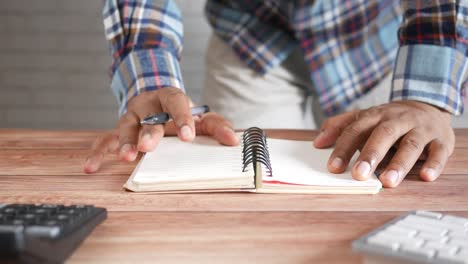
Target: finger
(150, 137)
(100, 148)
(170, 128)
(177, 105)
(411, 147)
(350, 140)
(437, 157)
(129, 127)
(378, 144)
(332, 129)
(423, 154)
(215, 125)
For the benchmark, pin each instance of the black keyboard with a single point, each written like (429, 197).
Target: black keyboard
(44, 233)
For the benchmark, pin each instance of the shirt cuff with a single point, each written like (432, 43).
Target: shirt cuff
(145, 70)
(432, 74)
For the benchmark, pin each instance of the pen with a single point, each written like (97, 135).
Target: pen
(162, 118)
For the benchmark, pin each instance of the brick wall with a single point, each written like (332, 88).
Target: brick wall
(54, 62)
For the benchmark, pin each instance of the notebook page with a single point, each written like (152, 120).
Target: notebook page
(299, 162)
(202, 159)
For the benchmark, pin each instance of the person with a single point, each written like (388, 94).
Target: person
(304, 63)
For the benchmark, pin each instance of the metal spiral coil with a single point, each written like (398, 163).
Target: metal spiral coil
(255, 149)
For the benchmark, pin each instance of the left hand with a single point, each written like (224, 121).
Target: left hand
(417, 126)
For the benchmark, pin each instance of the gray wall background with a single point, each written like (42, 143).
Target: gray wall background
(54, 63)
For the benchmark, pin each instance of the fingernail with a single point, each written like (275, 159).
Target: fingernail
(320, 135)
(391, 176)
(126, 148)
(430, 173)
(337, 163)
(87, 162)
(186, 132)
(90, 160)
(228, 129)
(146, 138)
(363, 169)
(233, 133)
(90, 164)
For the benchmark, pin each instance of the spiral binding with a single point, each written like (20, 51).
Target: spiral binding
(255, 149)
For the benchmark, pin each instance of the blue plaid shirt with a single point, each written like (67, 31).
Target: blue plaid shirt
(349, 46)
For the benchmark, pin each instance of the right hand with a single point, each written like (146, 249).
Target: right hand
(129, 137)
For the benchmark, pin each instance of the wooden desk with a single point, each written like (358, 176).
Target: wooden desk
(46, 167)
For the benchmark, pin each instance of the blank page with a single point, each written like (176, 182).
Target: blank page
(204, 159)
(299, 162)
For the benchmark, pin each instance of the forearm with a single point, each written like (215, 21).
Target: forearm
(145, 39)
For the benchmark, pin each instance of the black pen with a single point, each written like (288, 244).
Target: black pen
(162, 118)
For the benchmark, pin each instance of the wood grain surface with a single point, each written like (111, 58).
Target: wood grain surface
(46, 167)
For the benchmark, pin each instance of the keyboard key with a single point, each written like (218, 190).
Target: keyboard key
(463, 253)
(383, 242)
(41, 211)
(9, 210)
(43, 231)
(441, 247)
(459, 235)
(443, 257)
(399, 239)
(458, 242)
(10, 229)
(417, 251)
(429, 214)
(17, 222)
(52, 223)
(432, 237)
(455, 220)
(52, 206)
(422, 227)
(29, 216)
(401, 231)
(63, 217)
(70, 212)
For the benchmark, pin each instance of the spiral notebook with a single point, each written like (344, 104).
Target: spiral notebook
(258, 164)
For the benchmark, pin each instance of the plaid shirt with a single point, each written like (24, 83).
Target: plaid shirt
(349, 45)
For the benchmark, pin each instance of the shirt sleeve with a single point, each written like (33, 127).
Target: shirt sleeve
(432, 64)
(145, 39)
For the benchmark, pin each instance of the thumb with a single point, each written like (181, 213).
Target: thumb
(332, 128)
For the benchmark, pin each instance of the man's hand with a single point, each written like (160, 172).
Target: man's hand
(416, 128)
(129, 137)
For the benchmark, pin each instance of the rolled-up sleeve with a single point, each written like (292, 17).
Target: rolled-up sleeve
(145, 39)
(432, 64)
